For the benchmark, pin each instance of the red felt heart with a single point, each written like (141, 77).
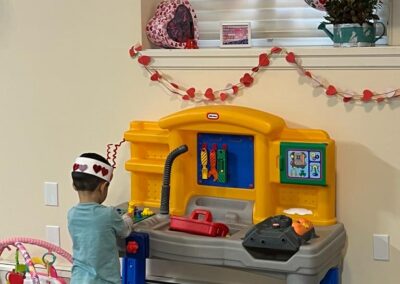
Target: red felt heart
(247, 80)
(367, 95)
(191, 92)
(97, 168)
(209, 94)
(235, 89)
(132, 52)
(263, 59)
(144, 60)
(331, 91)
(104, 171)
(75, 167)
(138, 48)
(308, 74)
(276, 49)
(223, 96)
(156, 76)
(185, 97)
(255, 69)
(290, 57)
(347, 99)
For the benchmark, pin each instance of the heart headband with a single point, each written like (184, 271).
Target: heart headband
(93, 167)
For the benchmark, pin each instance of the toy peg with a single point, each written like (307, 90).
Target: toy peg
(131, 208)
(147, 212)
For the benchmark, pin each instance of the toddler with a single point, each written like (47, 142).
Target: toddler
(95, 228)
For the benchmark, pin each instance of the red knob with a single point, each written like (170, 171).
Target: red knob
(132, 247)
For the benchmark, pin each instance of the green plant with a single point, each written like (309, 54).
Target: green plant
(352, 11)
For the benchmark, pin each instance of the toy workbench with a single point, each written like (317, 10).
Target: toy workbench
(241, 166)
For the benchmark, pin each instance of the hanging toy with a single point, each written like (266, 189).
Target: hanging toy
(221, 164)
(213, 163)
(204, 161)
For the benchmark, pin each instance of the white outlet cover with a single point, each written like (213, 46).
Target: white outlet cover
(51, 193)
(53, 234)
(381, 247)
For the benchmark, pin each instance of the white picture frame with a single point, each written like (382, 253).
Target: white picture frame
(235, 34)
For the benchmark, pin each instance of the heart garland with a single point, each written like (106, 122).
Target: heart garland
(264, 60)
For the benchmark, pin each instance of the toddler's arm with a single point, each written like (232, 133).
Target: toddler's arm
(123, 225)
(127, 218)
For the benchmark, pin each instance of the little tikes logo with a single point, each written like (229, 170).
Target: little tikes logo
(212, 116)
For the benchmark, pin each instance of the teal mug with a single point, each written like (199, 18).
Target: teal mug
(349, 35)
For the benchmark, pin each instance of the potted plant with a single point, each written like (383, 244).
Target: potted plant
(354, 22)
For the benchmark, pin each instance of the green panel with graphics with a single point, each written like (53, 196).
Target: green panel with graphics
(303, 163)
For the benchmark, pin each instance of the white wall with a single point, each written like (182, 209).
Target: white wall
(67, 86)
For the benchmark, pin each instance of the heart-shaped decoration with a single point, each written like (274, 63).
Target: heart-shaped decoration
(367, 95)
(317, 4)
(391, 94)
(223, 96)
(291, 58)
(331, 90)
(308, 74)
(156, 76)
(83, 168)
(255, 69)
(247, 80)
(97, 168)
(209, 94)
(144, 60)
(75, 167)
(380, 99)
(263, 59)
(186, 98)
(173, 24)
(347, 99)
(104, 172)
(191, 92)
(235, 89)
(132, 52)
(276, 49)
(138, 47)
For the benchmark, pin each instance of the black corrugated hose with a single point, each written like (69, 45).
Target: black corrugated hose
(164, 206)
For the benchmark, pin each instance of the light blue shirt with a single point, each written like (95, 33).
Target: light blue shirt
(94, 229)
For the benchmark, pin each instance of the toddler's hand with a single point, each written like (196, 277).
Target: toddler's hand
(127, 217)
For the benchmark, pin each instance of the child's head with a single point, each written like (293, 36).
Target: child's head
(91, 175)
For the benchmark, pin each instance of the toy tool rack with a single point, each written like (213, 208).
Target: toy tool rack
(257, 159)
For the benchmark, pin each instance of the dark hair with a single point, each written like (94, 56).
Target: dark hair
(87, 182)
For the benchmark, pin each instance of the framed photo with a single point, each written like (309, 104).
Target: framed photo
(235, 34)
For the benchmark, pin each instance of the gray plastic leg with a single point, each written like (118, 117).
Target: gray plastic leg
(301, 279)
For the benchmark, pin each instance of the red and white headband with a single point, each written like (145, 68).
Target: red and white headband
(93, 167)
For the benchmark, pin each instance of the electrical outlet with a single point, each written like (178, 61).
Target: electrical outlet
(51, 193)
(53, 234)
(381, 247)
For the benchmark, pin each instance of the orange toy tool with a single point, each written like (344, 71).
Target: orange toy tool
(204, 162)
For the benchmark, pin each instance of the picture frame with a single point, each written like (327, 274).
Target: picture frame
(235, 34)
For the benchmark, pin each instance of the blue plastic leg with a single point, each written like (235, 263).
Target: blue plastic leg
(331, 277)
(134, 263)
